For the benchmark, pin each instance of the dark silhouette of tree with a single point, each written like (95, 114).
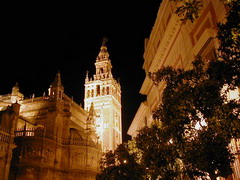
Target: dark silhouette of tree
(188, 10)
(158, 157)
(120, 164)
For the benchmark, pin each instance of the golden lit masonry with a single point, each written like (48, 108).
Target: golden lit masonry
(103, 92)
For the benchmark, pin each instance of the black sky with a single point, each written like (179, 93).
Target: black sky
(39, 39)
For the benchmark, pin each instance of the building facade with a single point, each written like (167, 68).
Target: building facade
(48, 137)
(104, 92)
(8, 119)
(173, 43)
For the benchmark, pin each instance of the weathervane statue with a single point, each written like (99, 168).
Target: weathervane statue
(104, 41)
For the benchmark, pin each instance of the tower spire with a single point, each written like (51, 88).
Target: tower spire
(103, 55)
(56, 88)
(57, 81)
(87, 78)
(104, 41)
(103, 63)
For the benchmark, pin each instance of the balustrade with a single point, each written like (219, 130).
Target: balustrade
(4, 137)
(32, 132)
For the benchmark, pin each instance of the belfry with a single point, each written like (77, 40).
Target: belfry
(104, 93)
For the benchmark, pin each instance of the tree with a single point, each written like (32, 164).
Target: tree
(229, 50)
(193, 98)
(157, 154)
(120, 164)
(208, 153)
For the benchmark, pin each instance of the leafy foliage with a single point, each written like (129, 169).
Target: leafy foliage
(229, 50)
(192, 98)
(188, 10)
(208, 152)
(158, 158)
(119, 164)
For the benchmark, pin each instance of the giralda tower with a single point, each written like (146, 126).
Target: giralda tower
(103, 92)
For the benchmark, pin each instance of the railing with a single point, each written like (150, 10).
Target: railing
(5, 130)
(32, 132)
(4, 136)
(24, 132)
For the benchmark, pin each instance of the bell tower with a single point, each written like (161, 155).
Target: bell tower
(105, 93)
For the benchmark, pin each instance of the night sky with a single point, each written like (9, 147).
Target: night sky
(40, 39)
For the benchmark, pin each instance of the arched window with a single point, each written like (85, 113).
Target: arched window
(92, 93)
(88, 94)
(98, 90)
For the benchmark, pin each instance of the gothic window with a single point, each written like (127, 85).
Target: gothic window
(107, 90)
(98, 90)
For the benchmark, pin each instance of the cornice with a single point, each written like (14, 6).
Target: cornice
(168, 39)
(146, 86)
(149, 43)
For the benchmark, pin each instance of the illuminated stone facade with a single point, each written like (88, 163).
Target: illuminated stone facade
(104, 93)
(8, 120)
(48, 137)
(172, 43)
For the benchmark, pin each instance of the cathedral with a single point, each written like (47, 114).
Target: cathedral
(53, 137)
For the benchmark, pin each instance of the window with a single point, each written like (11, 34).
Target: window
(92, 93)
(88, 94)
(103, 91)
(108, 90)
(98, 90)
(208, 51)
